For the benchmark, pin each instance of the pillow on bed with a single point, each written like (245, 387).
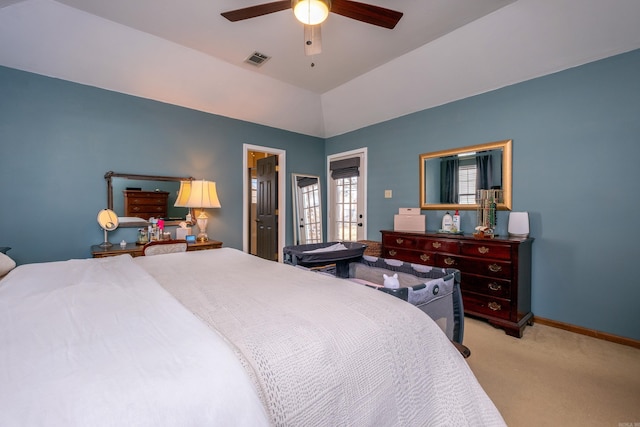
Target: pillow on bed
(6, 264)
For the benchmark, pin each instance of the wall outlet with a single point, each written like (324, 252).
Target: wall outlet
(387, 194)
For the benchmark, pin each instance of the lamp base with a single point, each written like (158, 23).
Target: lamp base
(202, 227)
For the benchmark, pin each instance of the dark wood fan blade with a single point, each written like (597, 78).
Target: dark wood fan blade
(368, 13)
(259, 10)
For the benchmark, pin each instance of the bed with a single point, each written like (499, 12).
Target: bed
(220, 337)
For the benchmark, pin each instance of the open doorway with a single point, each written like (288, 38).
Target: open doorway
(258, 234)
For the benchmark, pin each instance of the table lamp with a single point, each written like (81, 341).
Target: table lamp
(198, 194)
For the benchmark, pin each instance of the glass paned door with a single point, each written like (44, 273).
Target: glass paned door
(347, 203)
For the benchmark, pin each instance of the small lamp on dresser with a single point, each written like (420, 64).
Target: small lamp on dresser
(198, 194)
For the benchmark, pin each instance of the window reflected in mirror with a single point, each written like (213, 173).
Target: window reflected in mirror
(307, 209)
(462, 174)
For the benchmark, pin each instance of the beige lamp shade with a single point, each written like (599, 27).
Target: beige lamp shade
(197, 194)
(200, 195)
(311, 12)
(183, 194)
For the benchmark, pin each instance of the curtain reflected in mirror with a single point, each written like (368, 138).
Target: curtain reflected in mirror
(307, 209)
(449, 185)
(462, 175)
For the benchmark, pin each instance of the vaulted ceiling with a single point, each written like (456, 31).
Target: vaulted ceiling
(186, 53)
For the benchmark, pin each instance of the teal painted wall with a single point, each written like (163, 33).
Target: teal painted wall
(576, 170)
(57, 140)
(576, 151)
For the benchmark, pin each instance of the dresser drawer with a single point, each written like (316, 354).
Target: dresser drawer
(436, 245)
(489, 306)
(146, 209)
(489, 268)
(143, 201)
(448, 261)
(486, 286)
(486, 250)
(402, 241)
(417, 257)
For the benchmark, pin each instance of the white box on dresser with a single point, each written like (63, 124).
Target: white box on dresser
(409, 219)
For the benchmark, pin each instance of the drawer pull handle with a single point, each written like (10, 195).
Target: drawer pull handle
(483, 250)
(494, 306)
(392, 252)
(399, 241)
(494, 286)
(436, 244)
(424, 257)
(449, 261)
(495, 268)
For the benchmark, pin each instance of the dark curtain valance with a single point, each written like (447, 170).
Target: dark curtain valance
(305, 181)
(345, 168)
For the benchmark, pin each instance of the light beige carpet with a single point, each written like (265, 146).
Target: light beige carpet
(552, 377)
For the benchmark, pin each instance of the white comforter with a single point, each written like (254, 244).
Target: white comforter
(99, 343)
(324, 351)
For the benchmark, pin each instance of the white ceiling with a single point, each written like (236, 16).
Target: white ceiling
(350, 47)
(186, 54)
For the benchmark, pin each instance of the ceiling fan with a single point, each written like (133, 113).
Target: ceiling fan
(313, 12)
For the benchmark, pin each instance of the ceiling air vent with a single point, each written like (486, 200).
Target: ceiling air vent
(257, 59)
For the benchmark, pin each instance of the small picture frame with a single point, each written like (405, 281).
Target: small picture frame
(190, 238)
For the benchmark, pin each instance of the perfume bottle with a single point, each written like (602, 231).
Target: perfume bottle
(143, 236)
(456, 222)
(447, 222)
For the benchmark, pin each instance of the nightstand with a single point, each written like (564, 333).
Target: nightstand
(136, 250)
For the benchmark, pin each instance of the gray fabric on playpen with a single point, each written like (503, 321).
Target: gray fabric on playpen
(436, 291)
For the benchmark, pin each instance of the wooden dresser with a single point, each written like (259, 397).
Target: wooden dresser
(496, 273)
(135, 250)
(145, 204)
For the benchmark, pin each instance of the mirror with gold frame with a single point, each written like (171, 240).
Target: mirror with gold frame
(449, 179)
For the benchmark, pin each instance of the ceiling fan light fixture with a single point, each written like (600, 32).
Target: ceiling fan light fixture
(311, 12)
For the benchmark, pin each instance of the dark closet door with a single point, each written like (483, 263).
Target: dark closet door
(267, 209)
